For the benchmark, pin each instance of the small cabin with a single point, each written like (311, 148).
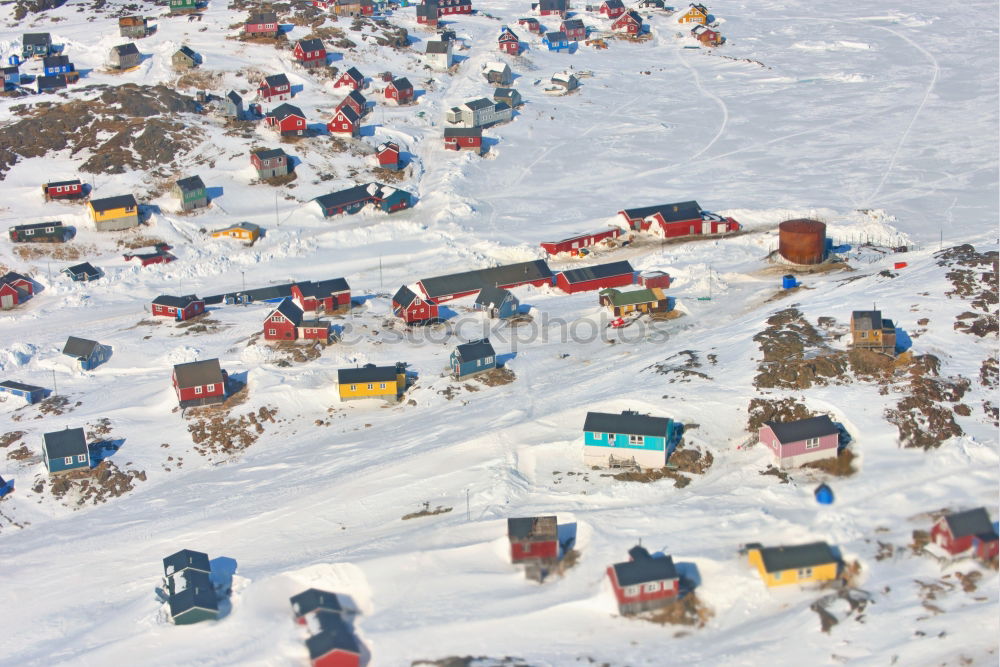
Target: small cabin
(89, 354)
(28, 392)
(870, 331)
(472, 358)
(200, 383)
(799, 564)
(65, 451)
(497, 302)
(959, 532)
(190, 193)
(644, 582)
(371, 381)
(84, 272)
(533, 539)
(802, 441)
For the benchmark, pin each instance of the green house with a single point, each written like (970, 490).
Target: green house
(191, 193)
(177, 6)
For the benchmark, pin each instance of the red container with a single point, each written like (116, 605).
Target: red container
(899, 265)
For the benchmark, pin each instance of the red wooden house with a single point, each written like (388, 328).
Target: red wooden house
(428, 13)
(574, 243)
(508, 41)
(409, 307)
(63, 189)
(628, 23)
(179, 308)
(574, 28)
(593, 278)
(531, 23)
(287, 322)
(643, 583)
(345, 121)
(356, 101)
(551, 7)
(649, 279)
(332, 643)
(533, 539)
(287, 120)
(612, 8)
(674, 219)
(323, 296)
(959, 532)
(451, 7)
(463, 138)
(275, 86)
(14, 289)
(160, 255)
(707, 36)
(261, 25)
(199, 383)
(352, 78)
(310, 52)
(400, 90)
(387, 155)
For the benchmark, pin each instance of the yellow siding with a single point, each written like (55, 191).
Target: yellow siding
(693, 16)
(241, 234)
(825, 572)
(361, 390)
(110, 214)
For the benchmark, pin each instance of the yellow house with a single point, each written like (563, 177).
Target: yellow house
(244, 231)
(371, 381)
(695, 14)
(112, 214)
(804, 563)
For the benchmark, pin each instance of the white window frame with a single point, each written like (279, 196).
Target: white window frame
(68, 460)
(81, 458)
(354, 387)
(197, 390)
(812, 443)
(610, 437)
(210, 388)
(635, 439)
(631, 591)
(651, 587)
(805, 573)
(272, 332)
(381, 385)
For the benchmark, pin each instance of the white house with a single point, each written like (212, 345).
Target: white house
(438, 55)
(479, 113)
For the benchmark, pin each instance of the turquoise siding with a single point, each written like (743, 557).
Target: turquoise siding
(466, 368)
(621, 441)
(59, 464)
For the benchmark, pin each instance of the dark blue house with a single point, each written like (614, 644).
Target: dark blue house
(56, 65)
(83, 272)
(191, 593)
(11, 76)
(49, 84)
(65, 450)
(28, 392)
(556, 41)
(496, 302)
(89, 353)
(471, 358)
(36, 45)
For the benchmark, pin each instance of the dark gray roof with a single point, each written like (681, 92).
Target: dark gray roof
(970, 522)
(334, 635)
(234, 97)
(36, 39)
(20, 386)
(404, 296)
(437, 47)
(51, 82)
(870, 320)
(367, 373)
(628, 422)
(614, 4)
(503, 92)
(11, 276)
(481, 103)
(553, 5)
(191, 183)
(644, 570)
(355, 74)
(275, 80)
(685, 210)
(269, 153)
(477, 349)
(39, 225)
(108, 203)
(556, 36)
(323, 288)
(55, 61)
(492, 296)
(284, 110)
(176, 301)
(314, 599)
(803, 429)
(500, 276)
(358, 97)
(198, 593)
(402, 83)
(263, 17)
(129, 49)
(533, 527)
(52, 184)
(86, 268)
(290, 311)
(345, 197)
(186, 558)
(311, 44)
(68, 442)
(186, 50)
(81, 348)
(572, 24)
(600, 271)
(450, 132)
(349, 113)
(779, 559)
(198, 373)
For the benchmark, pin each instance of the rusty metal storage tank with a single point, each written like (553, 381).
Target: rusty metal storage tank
(802, 241)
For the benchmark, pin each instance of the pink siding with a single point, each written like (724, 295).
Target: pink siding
(766, 437)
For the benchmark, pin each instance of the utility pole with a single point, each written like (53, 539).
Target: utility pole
(380, 273)
(468, 510)
(55, 388)
(276, 223)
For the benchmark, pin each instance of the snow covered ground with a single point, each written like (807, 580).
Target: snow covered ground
(881, 121)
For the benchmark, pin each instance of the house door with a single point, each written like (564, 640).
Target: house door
(706, 227)
(7, 301)
(942, 540)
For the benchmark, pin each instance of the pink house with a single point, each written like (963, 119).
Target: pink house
(802, 441)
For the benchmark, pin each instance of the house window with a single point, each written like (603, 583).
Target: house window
(29, 232)
(777, 576)
(651, 587)
(58, 188)
(276, 318)
(68, 460)
(197, 390)
(80, 458)
(611, 439)
(370, 387)
(527, 547)
(805, 573)
(635, 439)
(864, 334)
(488, 360)
(812, 443)
(631, 591)
(272, 332)
(210, 388)
(381, 385)
(354, 387)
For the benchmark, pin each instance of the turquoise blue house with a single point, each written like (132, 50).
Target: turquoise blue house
(65, 450)
(629, 439)
(496, 302)
(471, 358)
(556, 41)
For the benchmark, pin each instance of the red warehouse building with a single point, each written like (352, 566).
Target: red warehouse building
(582, 241)
(959, 532)
(178, 307)
(644, 582)
(325, 295)
(593, 278)
(409, 307)
(200, 383)
(456, 285)
(533, 539)
(286, 322)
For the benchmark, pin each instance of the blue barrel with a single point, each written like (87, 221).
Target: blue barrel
(824, 494)
(787, 282)
(14, 60)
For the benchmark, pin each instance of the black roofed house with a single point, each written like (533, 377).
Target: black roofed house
(556, 41)
(678, 219)
(356, 101)
(409, 307)
(463, 139)
(345, 120)
(71, 189)
(551, 7)
(11, 75)
(312, 601)
(644, 582)
(36, 45)
(186, 559)
(287, 119)
(387, 155)
(328, 295)
(352, 200)
(287, 323)
(200, 383)
(83, 272)
(400, 90)
(332, 642)
(274, 86)
(56, 65)
(453, 286)
(473, 358)
(50, 84)
(232, 105)
(803, 563)
(161, 255)
(438, 55)
(270, 163)
(179, 308)
(613, 274)
(124, 56)
(89, 353)
(371, 381)
(629, 439)
(191, 193)
(533, 538)
(14, 289)
(802, 441)
(264, 24)
(112, 214)
(574, 29)
(65, 450)
(352, 78)
(185, 58)
(612, 8)
(496, 302)
(629, 23)
(869, 330)
(309, 52)
(191, 594)
(133, 26)
(480, 112)
(509, 96)
(959, 532)
(28, 392)
(498, 74)
(428, 13)
(39, 232)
